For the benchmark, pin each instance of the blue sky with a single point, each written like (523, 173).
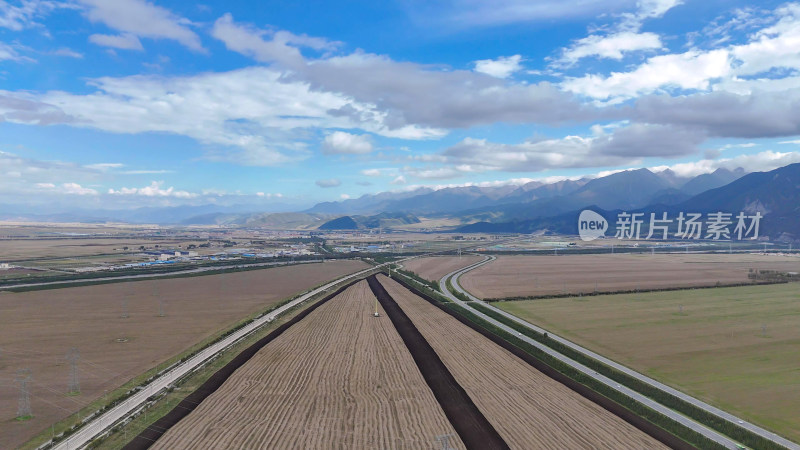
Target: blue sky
(125, 103)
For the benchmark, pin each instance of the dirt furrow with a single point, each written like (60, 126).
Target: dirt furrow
(338, 379)
(528, 409)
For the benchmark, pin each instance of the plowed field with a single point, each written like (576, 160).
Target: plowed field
(528, 409)
(339, 378)
(38, 328)
(512, 276)
(435, 267)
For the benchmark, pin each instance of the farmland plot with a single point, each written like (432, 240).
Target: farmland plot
(528, 409)
(433, 268)
(38, 328)
(512, 276)
(339, 378)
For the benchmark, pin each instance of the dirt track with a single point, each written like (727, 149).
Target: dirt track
(338, 379)
(527, 408)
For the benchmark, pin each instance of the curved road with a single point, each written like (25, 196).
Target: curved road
(724, 440)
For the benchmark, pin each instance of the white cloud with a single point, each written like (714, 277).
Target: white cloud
(758, 162)
(692, 70)
(626, 145)
(20, 176)
(278, 47)
(8, 53)
(153, 190)
(20, 107)
(409, 100)
(333, 182)
(340, 142)
(441, 173)
(254, 116)
(67, 52)
(399, 180)
(269, 195)
(344, 196)
(502, 67)
(371, 172)
(25, 13)
(613, 46)
(249, 116)
(145, 172)
(774, 46)
(647, 9)
(123, 41)
(77, 189)
(66, 188)
(622, 38)
(143, 19)
(796, 142)
(104, 166)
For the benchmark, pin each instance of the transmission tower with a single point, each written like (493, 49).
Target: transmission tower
(444, 440)
(125, 313)
(24, 406)
(161, 301)
(73, 356)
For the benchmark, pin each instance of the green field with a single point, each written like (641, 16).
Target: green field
(736, 348)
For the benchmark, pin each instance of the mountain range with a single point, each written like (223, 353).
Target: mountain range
(529, 207)
(774, 194)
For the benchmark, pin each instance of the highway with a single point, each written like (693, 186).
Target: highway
(100, 423)
(156, 275)
(453, 276)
